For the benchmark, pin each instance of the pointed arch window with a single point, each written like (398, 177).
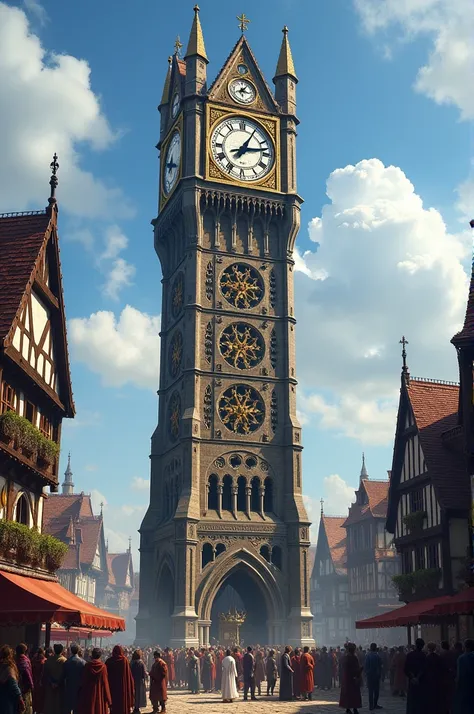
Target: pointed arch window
(227, 493)
(255, 495)
(212, 493)
(241, 499)
(276, 556)
(220, 548)
(265, 552)
(206, 555)
(268, 496)
(22, 511)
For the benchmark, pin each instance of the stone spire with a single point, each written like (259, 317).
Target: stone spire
(196, 39)
(363, 471)
(68, 485)
(285, 64)
(165, 97)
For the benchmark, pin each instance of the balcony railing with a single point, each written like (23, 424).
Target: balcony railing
(21, 545)
(21, 438)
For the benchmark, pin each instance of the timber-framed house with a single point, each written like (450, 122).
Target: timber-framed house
(35, 384)
(429, 499)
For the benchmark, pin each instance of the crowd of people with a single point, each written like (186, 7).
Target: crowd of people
(433, 679)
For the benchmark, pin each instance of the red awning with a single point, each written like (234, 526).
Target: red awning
(59, 634)
(460, 604)
(411, 614)
(28, 600)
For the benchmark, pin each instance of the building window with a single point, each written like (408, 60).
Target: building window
(268, 497)
(432, 556)
(420, 558)
(212, 493)
(8, 398)
(29, 412)
(45, 427)
(416, 501)
(206, 555)
(22, 511)
(407, 561)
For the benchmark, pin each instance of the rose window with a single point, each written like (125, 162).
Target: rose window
(241, 345)
(241, 286)
(174, 416)
(241, 409)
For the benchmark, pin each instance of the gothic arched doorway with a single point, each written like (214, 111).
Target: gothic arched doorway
(240, 591)
(164, 606)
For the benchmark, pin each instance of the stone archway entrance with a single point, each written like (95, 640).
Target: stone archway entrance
(165, 606)
(245, 581)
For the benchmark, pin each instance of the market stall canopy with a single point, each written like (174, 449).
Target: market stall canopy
(60, 634)
(29, 600)
(411, 614)
(460, 604)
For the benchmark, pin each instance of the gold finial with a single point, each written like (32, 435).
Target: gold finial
(243, 22)
(177, 46)
(196, 39)
(285, 65)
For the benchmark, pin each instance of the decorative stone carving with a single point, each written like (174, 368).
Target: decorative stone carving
(209, 280)
(273, 349)
(208, 407)
(274, 411)
(208, 342)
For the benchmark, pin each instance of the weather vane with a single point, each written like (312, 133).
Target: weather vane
(404, 343)
(243, 22)
(177, 46)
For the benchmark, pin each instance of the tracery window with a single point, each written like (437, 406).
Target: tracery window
(241, 497)
(268, 495)
(255, 495)
(227, 493)
(212, 493)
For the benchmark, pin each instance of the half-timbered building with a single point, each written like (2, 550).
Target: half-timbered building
(329, 584)
(372, 560)
(429, 500)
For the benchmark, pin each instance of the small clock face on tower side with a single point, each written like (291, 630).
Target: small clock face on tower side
(175, 105)
(172, 163)
(242, 149)
(242, 91)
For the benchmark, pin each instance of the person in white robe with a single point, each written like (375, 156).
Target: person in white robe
(229, 678)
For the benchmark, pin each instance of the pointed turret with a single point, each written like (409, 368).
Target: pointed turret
(196, 58)
(165, 97)
(363, 471)
(285, 78)
(68, 485)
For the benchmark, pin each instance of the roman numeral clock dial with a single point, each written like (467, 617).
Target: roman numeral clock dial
(242, 149)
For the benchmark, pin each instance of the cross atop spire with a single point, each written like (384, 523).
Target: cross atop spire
(196, 38)
(68, 485)
(53, 181)
(405, 372)
(129, 544)
(178, 46)
(243, 22)
(101, 508)
(363, 471)
(322, 506)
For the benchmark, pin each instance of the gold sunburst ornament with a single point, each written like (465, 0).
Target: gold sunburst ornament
(174, 412)
(175, 353)
(241, 345)
(241, 409)
(242, 286)
(177, 295)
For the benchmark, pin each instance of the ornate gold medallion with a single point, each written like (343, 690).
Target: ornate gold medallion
(241, 409)
(241, 286)
(177, 295)
(175, 353)
(174, 414)
(241, 345)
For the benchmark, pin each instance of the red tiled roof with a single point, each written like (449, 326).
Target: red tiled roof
(65, 516)
(336, 537)
(119, 565)
(182, 67)
(435, 408)
(377, 502)
(60, 506)
(466, 335)
(21, 238)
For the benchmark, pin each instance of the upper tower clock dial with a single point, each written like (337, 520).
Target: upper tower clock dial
(242, 91)
(172, 163)
(242, 148)
(175, 105)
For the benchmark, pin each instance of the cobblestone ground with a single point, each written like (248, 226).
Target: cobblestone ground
(181, 702)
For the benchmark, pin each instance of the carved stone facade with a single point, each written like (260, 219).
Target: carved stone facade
(227, 408)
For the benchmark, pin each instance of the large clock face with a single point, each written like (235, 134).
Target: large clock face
(242, 149)
(172, 162)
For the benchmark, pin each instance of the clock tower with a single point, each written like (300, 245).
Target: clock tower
(226, 526)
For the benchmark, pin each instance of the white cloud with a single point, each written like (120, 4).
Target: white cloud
(34, 8)
(120, 275)
(115, 241)
(391, 268)
(337, 496)
(140, 484)
(51, 107)
(122, 351)
(447, 75)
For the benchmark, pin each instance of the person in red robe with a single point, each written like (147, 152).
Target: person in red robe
(296, 667)
(122, 687)
(307, 674)
(350, 697)
(169, 659)
(37, 666)
(158, 677)
(94, 695)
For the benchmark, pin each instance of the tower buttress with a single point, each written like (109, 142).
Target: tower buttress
(68, 485)
(196, 58)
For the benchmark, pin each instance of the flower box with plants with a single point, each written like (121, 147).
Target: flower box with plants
(403, 584)
(28, 547)
(15, 429)
(426, 579)
(414, 521)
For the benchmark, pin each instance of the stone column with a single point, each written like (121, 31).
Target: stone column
(261, 492)
(248, 492)
(220, 489)
(234, 501)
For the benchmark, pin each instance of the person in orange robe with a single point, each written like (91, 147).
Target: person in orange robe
(169, 659)
(296, 667)
(122, 687)
(94, 695)
(159, 675)
(307, 674)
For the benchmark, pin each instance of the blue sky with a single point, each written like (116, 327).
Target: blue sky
(384, 165)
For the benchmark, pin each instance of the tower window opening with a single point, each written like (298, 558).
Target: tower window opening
(206, 555)
(255, 496)
(265, 552)
(220, 548)
(241, 501)
(276, 556)
(268, 496)
(227, 493)
(212, 493)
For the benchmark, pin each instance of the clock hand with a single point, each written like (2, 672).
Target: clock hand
(171, 166)
(244, 146)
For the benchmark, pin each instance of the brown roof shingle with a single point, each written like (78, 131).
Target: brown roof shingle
(21, 238)
(336, 537)
(377, 502)
(119, 565)
(435, 409)
(65, 516)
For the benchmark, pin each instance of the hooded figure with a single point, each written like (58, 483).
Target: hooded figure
(122, 688)
(94, 695)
